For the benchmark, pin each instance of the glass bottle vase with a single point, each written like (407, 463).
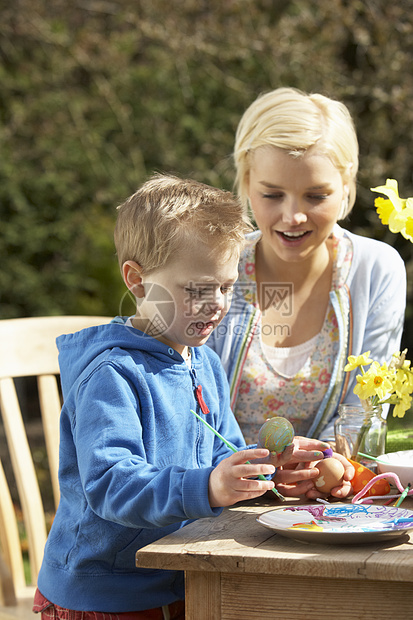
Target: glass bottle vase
(360, 430)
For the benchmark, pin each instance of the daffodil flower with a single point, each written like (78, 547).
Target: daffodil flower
(407, 231)
(391, 190)
(403, 382)
(374, 382)
(384, 208)
(363, 389)
(409, 228)
(379, 384)
(399, 359)
(394, 212)
(355, 361)
(402, 406)
(392, 384)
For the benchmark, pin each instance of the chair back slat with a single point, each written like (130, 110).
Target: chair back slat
(28, 346)
(9, 535)
(28, 349)
(24, 473)
(7, 591)
(50, 406)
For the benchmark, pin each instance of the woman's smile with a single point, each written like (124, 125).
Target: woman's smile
(293, 239)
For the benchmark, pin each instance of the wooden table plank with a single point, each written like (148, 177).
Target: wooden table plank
(235, 542)
(304, 598)
(391, 563)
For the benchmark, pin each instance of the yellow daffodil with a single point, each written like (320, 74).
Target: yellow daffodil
(363, 389)
(384, 208)
(393, 211)
(409, 229)
(392, 384)
(374, 382)
(384, 383)
(402, 406)
(355, 361)
(398, 359)
(391, 190)
(408, 378)
(403, 382)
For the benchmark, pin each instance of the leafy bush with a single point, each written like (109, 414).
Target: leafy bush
(97, 94)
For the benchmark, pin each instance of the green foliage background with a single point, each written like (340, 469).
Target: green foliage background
(97, 94)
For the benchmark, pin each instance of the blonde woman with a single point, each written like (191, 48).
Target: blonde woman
(309, 292)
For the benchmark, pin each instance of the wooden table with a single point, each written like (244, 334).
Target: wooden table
(236, 569)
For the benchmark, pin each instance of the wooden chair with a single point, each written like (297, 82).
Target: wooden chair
(28, 349)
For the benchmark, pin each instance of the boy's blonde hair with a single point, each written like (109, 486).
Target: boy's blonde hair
(294, 121)
(155, 221)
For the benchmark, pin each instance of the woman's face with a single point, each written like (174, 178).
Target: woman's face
(295, 201)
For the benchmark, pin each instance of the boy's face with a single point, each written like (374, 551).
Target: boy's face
(186, 299)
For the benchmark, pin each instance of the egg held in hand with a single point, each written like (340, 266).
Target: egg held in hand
(331, 475)
(275, 434)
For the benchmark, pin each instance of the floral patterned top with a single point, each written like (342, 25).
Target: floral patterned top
(266, 392)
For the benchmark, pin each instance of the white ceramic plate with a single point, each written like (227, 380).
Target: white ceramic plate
(401, 463)
(339, 523)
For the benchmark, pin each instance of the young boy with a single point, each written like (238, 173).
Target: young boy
(135, 463)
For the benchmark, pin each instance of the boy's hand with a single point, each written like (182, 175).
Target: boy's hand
(233, 480)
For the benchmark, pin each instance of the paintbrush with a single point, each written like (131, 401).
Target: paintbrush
(231, 447)
(403, 495)
(371, 458)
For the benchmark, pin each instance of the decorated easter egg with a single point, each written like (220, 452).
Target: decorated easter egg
(331, 475)
(275, 434)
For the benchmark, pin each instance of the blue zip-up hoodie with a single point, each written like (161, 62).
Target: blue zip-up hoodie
(134, 464)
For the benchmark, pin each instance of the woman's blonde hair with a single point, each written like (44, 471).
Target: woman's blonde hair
(295, 121)
(166, 211)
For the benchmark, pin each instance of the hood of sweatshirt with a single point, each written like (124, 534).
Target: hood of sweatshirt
(77, 351)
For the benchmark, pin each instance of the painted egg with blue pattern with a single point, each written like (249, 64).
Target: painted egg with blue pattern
(275, 434)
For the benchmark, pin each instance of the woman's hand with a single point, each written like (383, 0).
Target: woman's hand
(279, 458)
(345, 488)
(296, 477)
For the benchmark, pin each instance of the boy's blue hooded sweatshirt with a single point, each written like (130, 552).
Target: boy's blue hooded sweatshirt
(134, 464)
